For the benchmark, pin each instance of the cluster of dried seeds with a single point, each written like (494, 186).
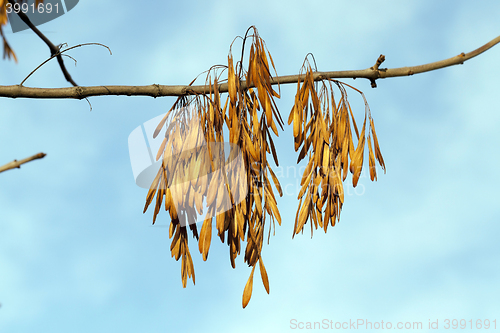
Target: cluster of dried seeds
(322, 128)
(233, 183)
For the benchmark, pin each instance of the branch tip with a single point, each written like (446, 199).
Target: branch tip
(17, 164)
(379, 62)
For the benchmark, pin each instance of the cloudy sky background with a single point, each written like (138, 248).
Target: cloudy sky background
(78, 255)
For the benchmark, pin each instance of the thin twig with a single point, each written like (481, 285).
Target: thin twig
(155, 90)
(17, 164)
(53, 49)
(60, 53)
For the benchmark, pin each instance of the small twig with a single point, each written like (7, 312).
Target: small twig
(375, 67)
(243, 47)
(53, 49)
(17, 164)
(90, 105)
(16, 91)
(314, 60)
(59, 53)
(379, 62)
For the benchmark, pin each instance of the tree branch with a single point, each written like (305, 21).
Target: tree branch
(17, 164)
(156, 90)
(53, 49)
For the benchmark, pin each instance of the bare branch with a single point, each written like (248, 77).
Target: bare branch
(17, 164)
(155, 90)
(53, 49)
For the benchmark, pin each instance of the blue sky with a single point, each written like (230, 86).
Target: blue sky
(78, 255)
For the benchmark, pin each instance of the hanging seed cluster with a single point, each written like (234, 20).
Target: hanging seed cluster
(236, 187)
(251, 117)
(322, 129)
